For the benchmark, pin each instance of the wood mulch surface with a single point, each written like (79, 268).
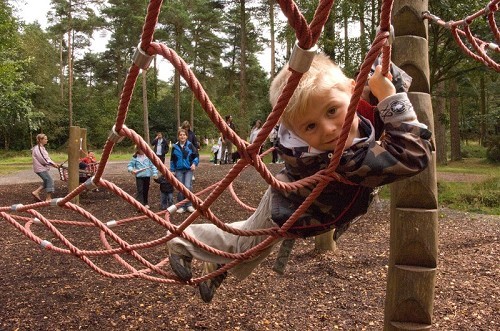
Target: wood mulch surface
(345, 290)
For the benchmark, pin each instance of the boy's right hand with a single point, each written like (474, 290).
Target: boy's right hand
(381, 86)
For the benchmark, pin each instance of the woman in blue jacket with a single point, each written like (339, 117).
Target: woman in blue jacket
(143, 169)
(183, 161)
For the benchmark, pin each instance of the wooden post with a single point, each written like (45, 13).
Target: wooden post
(325, 242)
(83, 142)
(413, 240)
(73, 157)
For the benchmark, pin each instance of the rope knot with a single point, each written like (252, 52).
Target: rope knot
(391, 37)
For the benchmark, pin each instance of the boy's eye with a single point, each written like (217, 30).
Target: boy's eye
(310, 126)
(332, 111)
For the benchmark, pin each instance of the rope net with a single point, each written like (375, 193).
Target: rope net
(475, 48)
(128, 253)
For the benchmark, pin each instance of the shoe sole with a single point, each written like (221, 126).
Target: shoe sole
(206, 292)
(179, 270)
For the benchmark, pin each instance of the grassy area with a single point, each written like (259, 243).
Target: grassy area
(471, 166)
(477, 197)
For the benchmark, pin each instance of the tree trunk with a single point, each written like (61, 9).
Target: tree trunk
(440, 125)
(362, 29)
(61, 69)
(70, 77)
(273, 45)
(155, 68)
(177, 82)
(243, 78)
(329, 33)
(456, 154)
(145, 106)
(482, 104)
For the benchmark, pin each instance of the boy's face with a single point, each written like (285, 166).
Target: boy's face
(321, 124)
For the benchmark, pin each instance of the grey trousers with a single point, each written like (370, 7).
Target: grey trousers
(212, 236)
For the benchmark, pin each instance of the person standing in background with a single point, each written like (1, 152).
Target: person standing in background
(166, 192)
(160, 146)
(143, 169)
(183, 161)
(227, 145)
(273, 138)
(191, 136)
(41, 167)
(254, 132)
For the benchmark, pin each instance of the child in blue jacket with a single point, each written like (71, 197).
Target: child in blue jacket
(143, 169)
(183, 161)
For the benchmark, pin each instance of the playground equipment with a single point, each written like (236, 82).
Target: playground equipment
(77, 172)
(413, 257)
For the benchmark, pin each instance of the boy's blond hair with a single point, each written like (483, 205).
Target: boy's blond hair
(322, 75)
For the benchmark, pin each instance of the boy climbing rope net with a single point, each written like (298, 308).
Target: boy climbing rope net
(311, 126)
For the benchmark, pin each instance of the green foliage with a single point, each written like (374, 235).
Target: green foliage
(493, 148)
(16, 105)
(473, 150)
(207, 34)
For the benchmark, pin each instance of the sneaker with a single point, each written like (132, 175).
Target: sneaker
(191, 209)
(181, 210)
(181, 266)
(208, 287)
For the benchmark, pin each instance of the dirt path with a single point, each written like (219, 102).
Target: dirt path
(119, 167)
(28, 176)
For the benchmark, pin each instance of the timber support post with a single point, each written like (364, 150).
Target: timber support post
(414, 215)
(77, 144)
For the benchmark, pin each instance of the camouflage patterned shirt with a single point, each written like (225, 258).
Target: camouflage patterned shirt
(403, 151)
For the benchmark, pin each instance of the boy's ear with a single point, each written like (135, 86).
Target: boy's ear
(353, 84)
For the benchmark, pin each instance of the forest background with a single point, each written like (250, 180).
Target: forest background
(50, 79)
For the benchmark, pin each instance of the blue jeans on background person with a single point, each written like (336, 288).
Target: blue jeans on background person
(186, 178)
(48, 182)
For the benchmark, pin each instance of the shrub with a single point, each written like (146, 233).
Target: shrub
(493, 148)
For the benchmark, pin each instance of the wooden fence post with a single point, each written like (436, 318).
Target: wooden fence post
(73, 157)
(413, 239)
